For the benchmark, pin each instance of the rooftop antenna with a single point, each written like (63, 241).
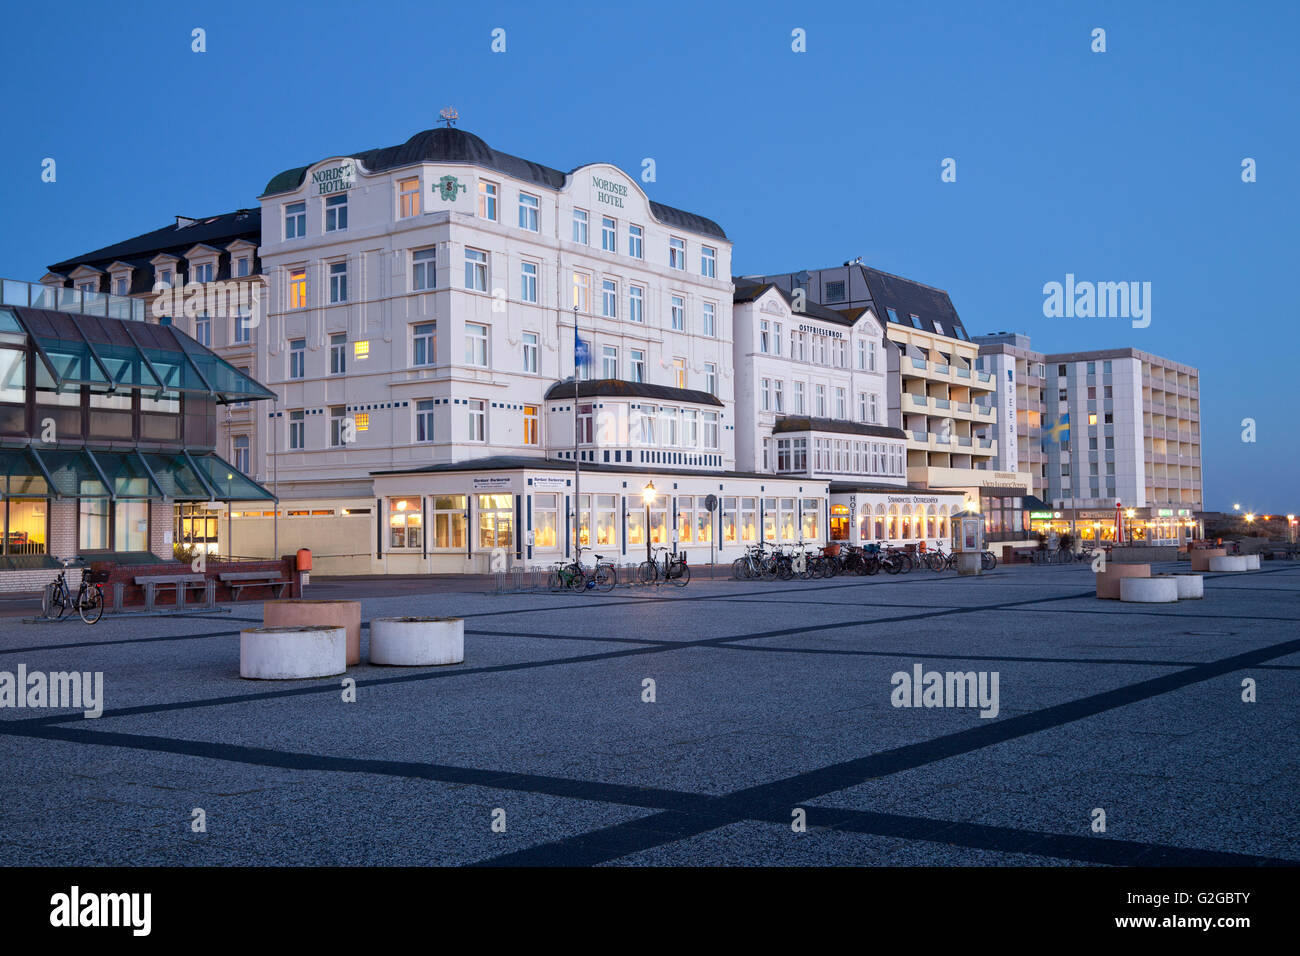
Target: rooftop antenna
(448, 115)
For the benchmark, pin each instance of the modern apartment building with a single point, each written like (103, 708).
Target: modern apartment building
(1133, 436)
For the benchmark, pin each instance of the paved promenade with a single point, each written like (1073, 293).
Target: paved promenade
(772, 704)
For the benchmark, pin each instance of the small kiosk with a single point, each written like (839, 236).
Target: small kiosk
(968, 541)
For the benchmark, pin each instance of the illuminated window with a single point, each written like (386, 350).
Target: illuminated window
(363, 421)
(582, 292)
(408, 197)
(361, 350)
(298, 289)
(487, 201)
(679, 369)
(532, 425)
(1092, 418)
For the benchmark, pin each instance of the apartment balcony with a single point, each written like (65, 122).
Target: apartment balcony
(942, 403)
(917, 401)
(984, 414)
(919, 364)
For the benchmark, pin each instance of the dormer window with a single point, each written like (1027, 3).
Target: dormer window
(121, 286)
(201, 272)
(242, 266)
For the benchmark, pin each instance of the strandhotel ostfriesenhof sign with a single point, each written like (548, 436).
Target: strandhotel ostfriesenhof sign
(335, 179)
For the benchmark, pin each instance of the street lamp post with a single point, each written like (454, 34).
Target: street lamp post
(648, 496)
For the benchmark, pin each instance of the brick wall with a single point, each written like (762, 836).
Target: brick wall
(162, 521)
(63, 527)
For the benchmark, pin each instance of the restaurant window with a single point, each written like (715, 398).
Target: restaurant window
(606, 521)
(730, 533)
(748, 520)
(405, 523)
(811, 523)
(770, 517)
(546, 521)
(447, 519)
(196, 527)
(496, 517)
(840, 522)
(26, 522)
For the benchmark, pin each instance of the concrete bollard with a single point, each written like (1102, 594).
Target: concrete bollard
(1161, 589)
(300, 612)
(292, 653)
(1230, 562)
(417, 641)
(1190, 586)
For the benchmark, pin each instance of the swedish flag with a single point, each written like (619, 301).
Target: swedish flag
(1060, 432)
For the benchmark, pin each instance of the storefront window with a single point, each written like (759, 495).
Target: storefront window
(810, 524)
(448, 522)
(730, 525)
(748, 520)
(406, 523)
(703, 524)
(840, 522)
(131, 526)
(546, 521)
(26, 523)
(770, 517)
(658, 525)
(496, 517)
(92, 524)
(685, 519)
(196, 527)
(636, 526)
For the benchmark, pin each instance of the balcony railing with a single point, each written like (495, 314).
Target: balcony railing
(942, 403)
(963, 373)
(986, 376)
(918, 363)
(37, 296)
(921, 436)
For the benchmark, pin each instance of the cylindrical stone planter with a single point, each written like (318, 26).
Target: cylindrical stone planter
(417, 641)
(1190, 586)
(300, 612)
(1201, 557)
(1252, 562)
(1161, 589)
(1229, 562)
(292, 653)
(1108, 581)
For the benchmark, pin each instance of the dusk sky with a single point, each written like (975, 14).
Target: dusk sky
(1123, 165)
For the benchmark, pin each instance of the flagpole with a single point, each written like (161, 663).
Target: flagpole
(577, 465)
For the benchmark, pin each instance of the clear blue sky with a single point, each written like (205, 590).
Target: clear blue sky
(1117, 166)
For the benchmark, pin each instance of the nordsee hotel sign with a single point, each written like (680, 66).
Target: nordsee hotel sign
(336, 179)
(612, 194)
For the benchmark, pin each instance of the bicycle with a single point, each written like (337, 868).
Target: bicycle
(937, 560)
(89, 601)
(574, 577)
(675, 569)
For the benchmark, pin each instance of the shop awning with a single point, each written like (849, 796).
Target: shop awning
(112, 354)
(1034, 503)
(123, 476)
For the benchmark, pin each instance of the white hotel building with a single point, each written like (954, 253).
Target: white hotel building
(419, 307)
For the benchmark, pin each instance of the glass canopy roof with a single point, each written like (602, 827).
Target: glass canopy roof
(123, 475)
(109, 354)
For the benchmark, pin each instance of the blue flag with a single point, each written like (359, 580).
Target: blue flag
(1060, 432)
(581, 353)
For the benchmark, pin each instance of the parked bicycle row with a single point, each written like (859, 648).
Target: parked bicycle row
(666, 567)
(765, 562)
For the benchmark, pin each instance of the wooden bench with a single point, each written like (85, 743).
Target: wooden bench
(152, 582)
(238, 580)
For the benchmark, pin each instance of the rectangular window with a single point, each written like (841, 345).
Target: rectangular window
(336, 212)
(477, 420)
(297, 358)
(580, 226)
(766, 395)
(203, 329)
(406, 523)
(798, 399)
(239, 447)
(424, 270)
(338, 353)
(841, 409)
(835, 291)
(528, 212)
(679, 371)
(476, 344)
(487, 201)
(778, 396)
(243, 327)
(678, 310)
(690, 428)
(821, 401)
(636, 365)
(423, 339)
(708, 322)
(297, 430)
(635, 244)
(528, 282)
(708, 262)
(532, 425)
(608, 234)
(476, 270)
(676, 253)
(338, 282)
(532, 352)
(408, 197)
(202, 273)
(711, 378)
(649, 420)
(862, 406)
(424, 420)
(448, 522)
(635, 304)
(242, 267)
(609, 298)
(295, 220)
(298, 289)
(338, 431)
(582, 292)
(764, 336)
(711, 430)
(873, 411)
(609, 362)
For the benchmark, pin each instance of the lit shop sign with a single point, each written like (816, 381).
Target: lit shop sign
(550, 481)
(1164, 512)
(816, 331)
(910, 500)
(612, 194)
(336, 179)
(493, 481)
(1043, 515)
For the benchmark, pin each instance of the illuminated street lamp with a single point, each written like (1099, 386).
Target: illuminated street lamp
(648, 496)
(1250, 518)
(1236, 507)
